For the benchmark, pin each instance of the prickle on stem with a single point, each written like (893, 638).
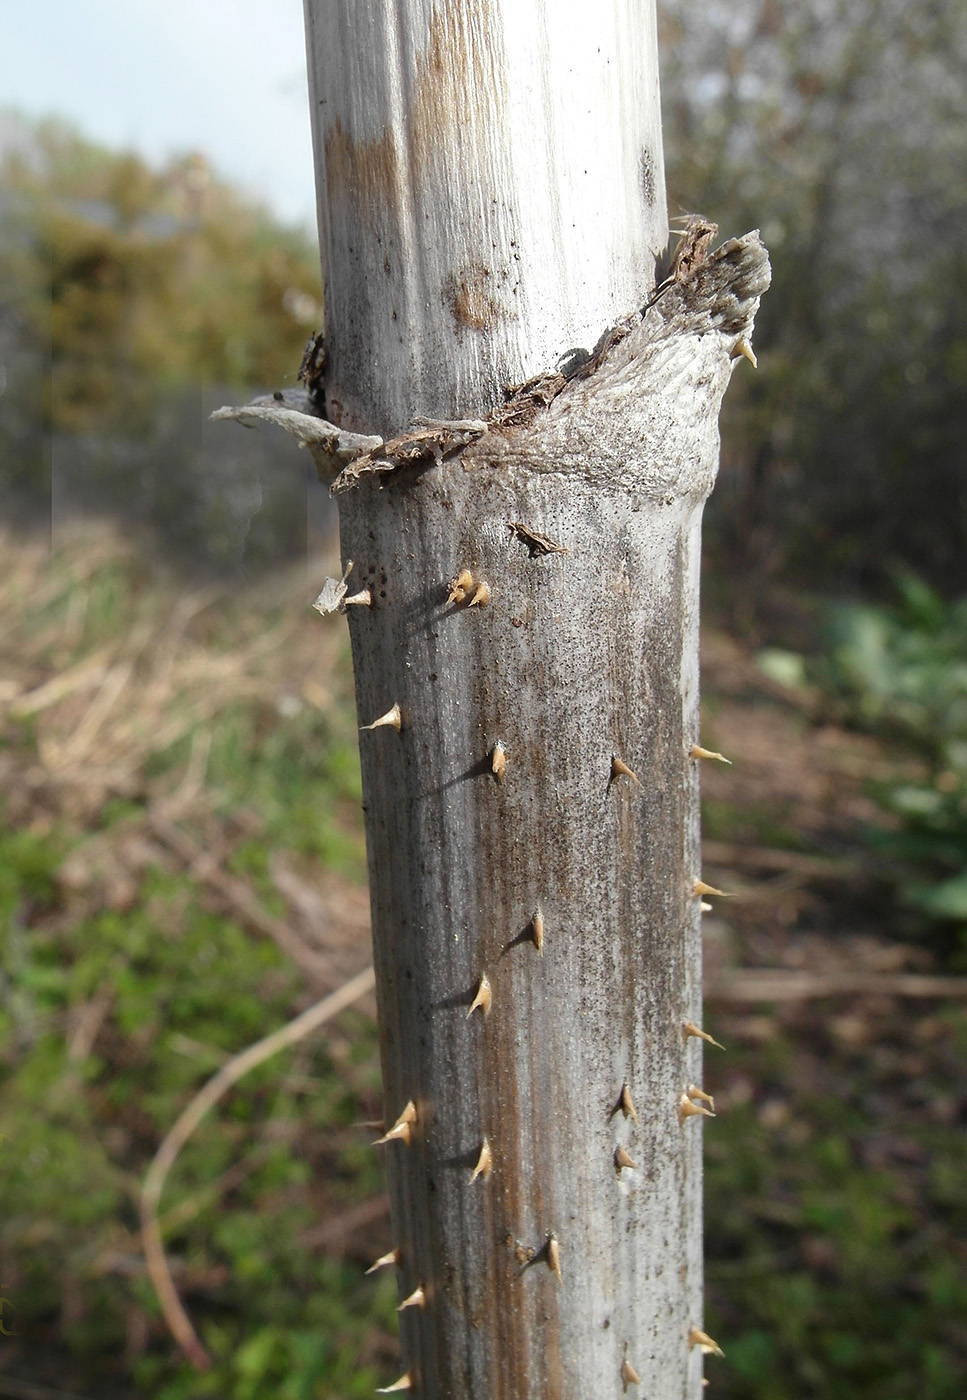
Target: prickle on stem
(709, 1346)
(402, 1129)
(537, 930)
(498, 760)
(629, 1376)
(385, 1260)
(485, 1163)
(694, 1092)
(743, 348)
(700, 888)
(623, 1158)
(625, 1104)
(483, 997)
(362, 599)
(392, 717)
(417, 1299)
(687, 1109)
(696, 751)
(620, 769)
(405, 1382)
(553, 1256)
(689, 1028)
(460, 586)
(481, 596)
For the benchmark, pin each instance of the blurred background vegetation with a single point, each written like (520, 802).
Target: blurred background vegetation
(132, 302)
(179, 790)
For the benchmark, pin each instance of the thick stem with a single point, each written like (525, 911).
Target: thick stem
(558, 874)
(491, 195)
(530, 650)
(491, 192)
(577, 659)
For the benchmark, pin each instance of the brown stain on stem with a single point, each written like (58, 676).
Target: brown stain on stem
(455, 117)
(469, 298)
(459, 82)
(458, 97)
(363, 173)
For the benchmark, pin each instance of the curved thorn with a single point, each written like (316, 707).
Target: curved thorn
(402, 1129)
(385, 1260)
(694, 1092)
(696, 751)
(460, 586)
(689, 1028)
(392, 717)
(687, 1109)
(483, 998)
(485, 1163)
(698, 1338)
(417, 1299)
(743, 348)
(405, 1382)
(620, 769)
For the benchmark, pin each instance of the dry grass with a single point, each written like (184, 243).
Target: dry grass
(152, 723)
(127, 676)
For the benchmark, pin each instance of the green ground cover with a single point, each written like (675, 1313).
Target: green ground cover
(836, 1199)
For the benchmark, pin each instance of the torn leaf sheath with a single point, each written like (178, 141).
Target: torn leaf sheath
(421, 446)
(607, 420)
(331, 446)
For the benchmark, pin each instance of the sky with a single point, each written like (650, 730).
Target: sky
(163, 77)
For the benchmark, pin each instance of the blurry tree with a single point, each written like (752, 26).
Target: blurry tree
(902, 672)
(128, 297)
(121, 285)
(839, 125)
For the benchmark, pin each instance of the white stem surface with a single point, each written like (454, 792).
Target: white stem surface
(491, 192)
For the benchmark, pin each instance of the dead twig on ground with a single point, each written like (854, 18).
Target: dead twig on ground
(238, 895)
(782, 984)
(167, 1154)
(89, 671)
(29, 1390)
(729, 855)
(186, 1209)
(86, 1023)
(339, 1227)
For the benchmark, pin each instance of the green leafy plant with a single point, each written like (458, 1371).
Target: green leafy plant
(902, 671)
